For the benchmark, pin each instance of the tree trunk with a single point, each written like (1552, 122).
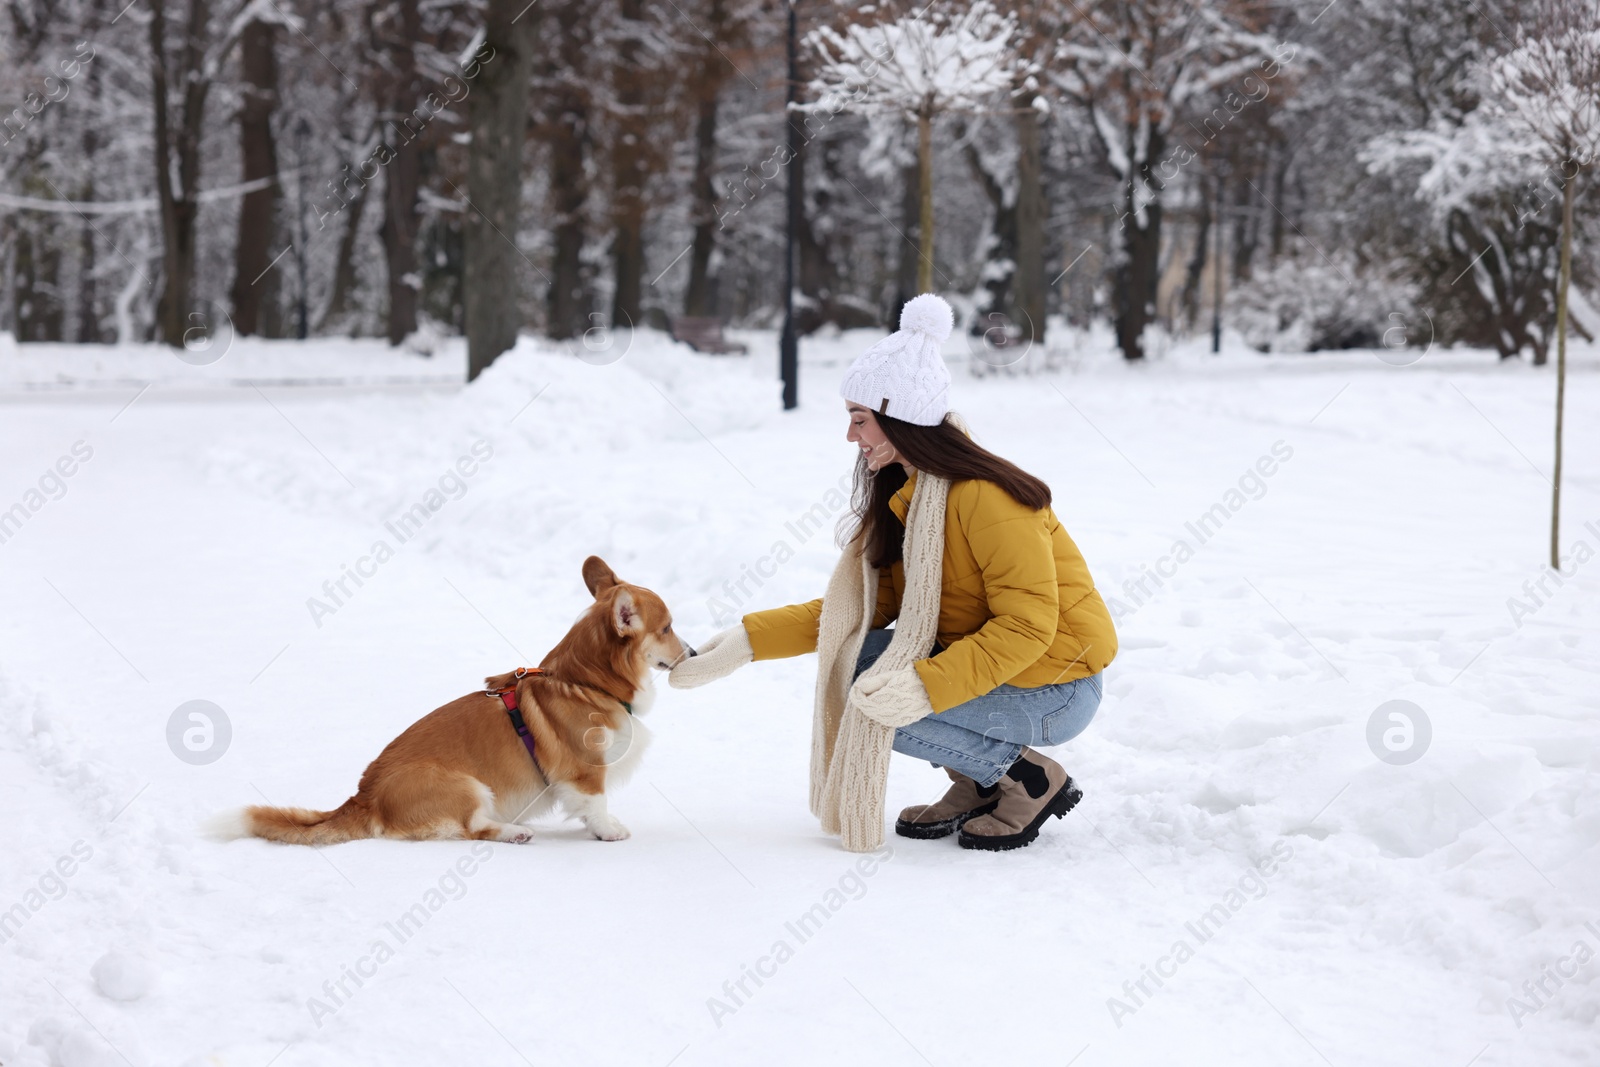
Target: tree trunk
(172, 314)
(1195, 271)
(627, 263)
(24, 286)
(702, 297)
(88, 315)
(38, 313)
(1031, 214)
(819, 274)
(1246, 230)
(1280, 181)
(1137, 273)
(567, 302)
(344, 266)
(181, 146)
(699, 299)
(88, 331)
(564, 129)
(925, 198)
(816, 276)
(399, 233)
(255, 289)
(1561, 361)
(402, 177)
(905, 281)
(628, 175)
(1001, 247)
(171, 304)
(498, 118)
(49, 309)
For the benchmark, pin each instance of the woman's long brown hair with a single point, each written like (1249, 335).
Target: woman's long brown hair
(944, 450)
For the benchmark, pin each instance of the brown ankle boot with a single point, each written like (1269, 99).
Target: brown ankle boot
(964, 800)
(1034, 789)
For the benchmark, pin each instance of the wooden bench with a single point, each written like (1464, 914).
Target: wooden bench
(704, 334)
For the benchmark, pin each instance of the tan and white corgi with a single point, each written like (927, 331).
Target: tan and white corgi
(465, 770)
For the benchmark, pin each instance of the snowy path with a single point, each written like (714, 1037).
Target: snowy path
(1404, 904)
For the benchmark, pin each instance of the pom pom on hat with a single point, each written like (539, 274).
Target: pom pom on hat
(928, 313)
(903, 375)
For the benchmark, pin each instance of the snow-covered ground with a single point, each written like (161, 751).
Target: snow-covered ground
(1246, 882)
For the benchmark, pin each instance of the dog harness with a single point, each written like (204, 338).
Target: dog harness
(508, 697)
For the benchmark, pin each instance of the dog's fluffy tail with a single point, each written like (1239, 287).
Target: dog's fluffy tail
(301, 826)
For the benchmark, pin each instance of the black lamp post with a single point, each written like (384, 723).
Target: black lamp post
(302, 135)
(1216, 280)
(789, 344)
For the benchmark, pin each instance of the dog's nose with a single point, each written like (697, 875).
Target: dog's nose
(692, 652)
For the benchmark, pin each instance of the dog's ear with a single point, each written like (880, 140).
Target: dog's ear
(597, 576)
(625, 614)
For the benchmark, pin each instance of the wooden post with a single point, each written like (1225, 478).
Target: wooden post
(789, 342)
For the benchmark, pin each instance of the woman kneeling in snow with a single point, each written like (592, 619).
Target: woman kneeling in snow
(999, 635)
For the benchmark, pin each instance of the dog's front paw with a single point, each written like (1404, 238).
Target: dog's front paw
(609, 829)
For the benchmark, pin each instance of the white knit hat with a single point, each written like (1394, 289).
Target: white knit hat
(903, 375)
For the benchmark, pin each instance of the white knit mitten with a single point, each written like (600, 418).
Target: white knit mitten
(717, 658)
(894, 698)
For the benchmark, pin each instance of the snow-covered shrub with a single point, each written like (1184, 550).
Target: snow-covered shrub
(1490, 205)
(1311, 305)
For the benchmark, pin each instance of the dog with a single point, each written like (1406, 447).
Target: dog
(463, 771)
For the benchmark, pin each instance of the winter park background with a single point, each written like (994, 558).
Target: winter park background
(335, 336)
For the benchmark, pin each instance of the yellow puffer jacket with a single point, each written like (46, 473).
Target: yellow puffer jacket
(1016, 602)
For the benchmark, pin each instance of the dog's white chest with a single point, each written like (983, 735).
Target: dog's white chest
(623, 747)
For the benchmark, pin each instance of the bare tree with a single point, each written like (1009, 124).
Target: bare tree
(939, 61)
(1549, 85)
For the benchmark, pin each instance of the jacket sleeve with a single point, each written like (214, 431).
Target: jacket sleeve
(778, 633)
(781, 632)
(1014, 553)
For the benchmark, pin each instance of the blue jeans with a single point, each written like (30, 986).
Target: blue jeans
(984, 736)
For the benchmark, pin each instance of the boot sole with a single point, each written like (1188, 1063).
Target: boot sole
(1065, 800)
(927, 831)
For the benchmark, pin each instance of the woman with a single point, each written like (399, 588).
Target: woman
(1022, 635)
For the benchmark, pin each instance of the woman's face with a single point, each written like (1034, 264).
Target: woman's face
(867, 435)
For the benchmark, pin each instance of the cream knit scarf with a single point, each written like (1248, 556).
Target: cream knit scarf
(849, 751)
